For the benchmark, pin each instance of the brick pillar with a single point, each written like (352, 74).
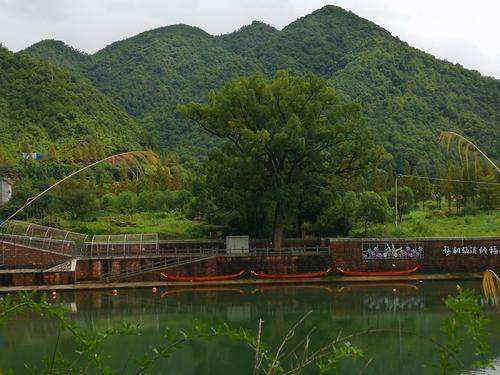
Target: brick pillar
(96, 269)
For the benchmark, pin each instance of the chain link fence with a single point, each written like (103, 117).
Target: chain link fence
(42, 237)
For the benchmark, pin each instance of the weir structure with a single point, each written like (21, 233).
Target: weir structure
(32, 254)
(39, 250)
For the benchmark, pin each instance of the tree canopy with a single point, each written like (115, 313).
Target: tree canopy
(280, 137)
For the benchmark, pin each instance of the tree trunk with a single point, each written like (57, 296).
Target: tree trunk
(300, 226)
(278, 226)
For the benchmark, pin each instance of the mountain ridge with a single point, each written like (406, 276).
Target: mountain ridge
(407, 95)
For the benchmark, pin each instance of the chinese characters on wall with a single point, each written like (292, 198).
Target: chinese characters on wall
(474, 250)
(391, 250)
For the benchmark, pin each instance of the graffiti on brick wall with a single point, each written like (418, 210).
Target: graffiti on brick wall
(470, 250)
(392, 250)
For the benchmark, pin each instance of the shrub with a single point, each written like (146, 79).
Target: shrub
(126, 202)
(109, 202)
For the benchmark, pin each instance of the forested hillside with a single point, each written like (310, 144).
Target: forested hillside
(406, 95)
(48, 110)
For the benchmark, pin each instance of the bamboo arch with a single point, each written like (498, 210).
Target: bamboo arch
(464, 144)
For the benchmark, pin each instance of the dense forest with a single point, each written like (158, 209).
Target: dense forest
(384, 101)
(406, 95)
(46, 109)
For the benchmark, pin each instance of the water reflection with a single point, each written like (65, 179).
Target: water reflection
(171, 292)
(415, 307)
(302, 287)
(393, 303)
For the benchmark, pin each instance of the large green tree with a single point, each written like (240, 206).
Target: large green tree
(372, 208)
(281, 134)
(406, 200)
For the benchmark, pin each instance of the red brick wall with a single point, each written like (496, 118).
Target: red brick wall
(88, 270)
(211, 267)
(58, 278)
(22, 257)
(38, 278)
(348, 254)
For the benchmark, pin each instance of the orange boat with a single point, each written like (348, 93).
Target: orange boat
(261, 275)
(383, 273)
(202, 278)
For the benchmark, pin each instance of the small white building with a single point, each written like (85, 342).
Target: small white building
(5, 190)
(237, 244)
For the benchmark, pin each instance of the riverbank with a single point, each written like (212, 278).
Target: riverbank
(243, 282)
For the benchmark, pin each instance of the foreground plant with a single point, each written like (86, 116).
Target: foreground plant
(88, 357)
(292, 355)
(285, 359)
(466, 325)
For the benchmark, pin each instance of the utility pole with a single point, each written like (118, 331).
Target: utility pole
(396, 201)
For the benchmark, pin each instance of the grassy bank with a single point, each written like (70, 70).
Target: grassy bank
(437, 223)
(172, 225)
(169, 225)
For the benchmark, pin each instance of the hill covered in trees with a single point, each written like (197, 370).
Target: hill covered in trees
(46, 109)
(406, 95)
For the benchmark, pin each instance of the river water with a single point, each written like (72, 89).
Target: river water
(409, 315)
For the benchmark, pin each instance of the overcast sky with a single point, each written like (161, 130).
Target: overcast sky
(463, 31)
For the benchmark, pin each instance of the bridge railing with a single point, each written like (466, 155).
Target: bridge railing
(142, 250)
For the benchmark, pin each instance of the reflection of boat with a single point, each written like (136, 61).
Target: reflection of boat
(383, 273)
(202, 278)
(378, 285)
(281, 287)
(262, 275)
(207, 290)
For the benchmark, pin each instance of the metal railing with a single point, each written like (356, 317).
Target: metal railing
(122, 245)
(297, 250)
(65, 247)
(156, 266)
(143, 251)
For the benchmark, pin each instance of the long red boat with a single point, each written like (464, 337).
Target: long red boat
(202, 278)
(262, 275)
(383, 273)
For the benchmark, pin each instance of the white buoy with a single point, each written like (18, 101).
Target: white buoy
(115, 292)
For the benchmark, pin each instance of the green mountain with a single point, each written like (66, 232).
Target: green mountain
(407, 95)
(44, 108)
(59, 53)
